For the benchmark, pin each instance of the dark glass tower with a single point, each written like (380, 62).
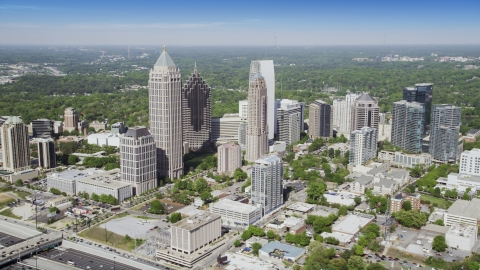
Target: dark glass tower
(421, 93)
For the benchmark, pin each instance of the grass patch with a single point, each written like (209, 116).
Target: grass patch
(124, 214)
(197, 160)
(395, 253)
(22, 194)
(145, 217)
(109, 238)
(5, 199)
(8, 213)
(442, 203)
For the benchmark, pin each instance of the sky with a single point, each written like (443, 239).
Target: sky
(239, 23)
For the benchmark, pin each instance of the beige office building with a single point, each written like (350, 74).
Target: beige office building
(15, 144)
(229, 158)
(365, 113)
(165, 107)
(320, 120)
(105, 183)
(70, 119)
(257, 128)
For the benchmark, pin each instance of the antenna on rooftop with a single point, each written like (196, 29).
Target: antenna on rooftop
(128, 52)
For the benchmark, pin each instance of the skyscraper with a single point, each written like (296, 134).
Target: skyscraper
(320, 120)
(267, 183)
(289, 121)
(365, 112)
(363, 145)
(138, 159)
(242, 135)
(279, 103)
(243, 108)
(15, 144)
(407, 125)
(267, 70)
(70, 119)
(257, 128)
(342, 113)
(196, 104)
(47, 158)
(229, 158)
(421, 93)
(444, 132)
(42, 128)
(165, 107)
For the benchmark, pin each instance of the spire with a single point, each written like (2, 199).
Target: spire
(164, 48)
(195, 68)
(164, 60)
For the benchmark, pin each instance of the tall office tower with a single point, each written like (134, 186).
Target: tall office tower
(242, 135)
(407, 125)
(15, 144)
(225, 129)
(243, 108)
(196, 114)
(470, 162)
(363, 145)
(444, 132)
(257, 128)
(289, 121)
(118, 128)
(279, 103)
(342, 113)
(365, 112)
(70, 119)
(47, 158)
(421, 93)
(267, 183)
(267, 70)
(138, 159)
(165, 106)
(42, 128)
(320, 120)
(229, 158)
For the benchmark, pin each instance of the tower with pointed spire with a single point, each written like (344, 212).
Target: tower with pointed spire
(196, 112)
(165, 109)
(257, 127)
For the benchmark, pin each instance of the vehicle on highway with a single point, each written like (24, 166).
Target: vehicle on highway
(70, 262)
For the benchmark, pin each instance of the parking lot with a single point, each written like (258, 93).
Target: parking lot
(7, 240)
(83, 260)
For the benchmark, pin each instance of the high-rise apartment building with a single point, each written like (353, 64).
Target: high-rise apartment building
(363, 145)
(257, 128)
(196, 104)
(407, 125)
(421, 93)
(70, 119)
(289, 121)
(470, 162)
(242, 135)
(444, 132)
(47, 158)
(243, 108)
(165, 107)
(229, 158)
(138, 159)
(342, 113)
(365, 112)
(15, 145)
(267, 183)
(320, 120)
(267, 70)
(42, 128)
(225, 129)
(279, 103)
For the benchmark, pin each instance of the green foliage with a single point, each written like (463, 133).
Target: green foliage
(319, 258)
(429, 180)
(439, 243)
(246, 235)
(411, 219)
(239, 175)
(246, 184)
(375, 266)
(95, 197)
(379, 203)
(416, 171)
(55, 191)
(68, 148)
(206, 196)
(99, 162)
(439, 222)
(72, 159)
(19, 183)
(321, 224)
(315, 191)
(357, 200)
(156, 207)
(316, 144)
(255, 248)
(411, 188)
(237, 243)
(358, 249)
(342, 211)
(407, 205)
(356, 262)
(299, 239)
(332, 240)
(271, 234)
(175, 217)
(53, 209)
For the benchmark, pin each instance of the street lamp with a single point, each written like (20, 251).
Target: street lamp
(113, 262)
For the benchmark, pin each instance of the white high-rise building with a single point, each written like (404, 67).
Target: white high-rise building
(267, 183)
(283, 103)
(243, 108)
(470, 162)
(165, 107)
(47, 158)
(267, 70)
(363, 145)
(365, 112)
(229, 158)
(138, 159)
(242, 135)
(15, 145)
(289, 120)
(342, 113)
(257, 128)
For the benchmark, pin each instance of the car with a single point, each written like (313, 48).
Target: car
(155, 227)
(404, 231)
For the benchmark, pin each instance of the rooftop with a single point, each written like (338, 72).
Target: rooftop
(366, 97)
(108, 179)
(470, 209)
(257, 76)
(435, 228)
(136, 132)
(351, 224)
(385, 182)
(196, 221)
(267, 159)
(462, 230)
(71, 175)
(165, 60)
(300, 207)
(227, 204)
(229, 145)
(290, 251)
(14, 120)
(364, 179)
(243, 262)
(395, 174)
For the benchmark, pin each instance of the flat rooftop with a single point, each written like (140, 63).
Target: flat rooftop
(338, 199)
(230, 205)
(351, 224)
(290, 251)
(300, 207)
(196, 221)
(462, 230)
(108, 179)
(242, 262)
(469, 209)
(71, 175)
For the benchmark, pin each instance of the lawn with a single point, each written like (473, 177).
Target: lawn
(22, 194)
(5, 199)
(8, 213)
(197, 160)
(109, 238)
(442, 203)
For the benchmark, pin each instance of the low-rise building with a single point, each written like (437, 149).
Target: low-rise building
(460, 182)
(236, 213)
(58, 201)
(352, 224)
(98, 125)
(277, 250)
(65, 180)
(462, 236)
(342, 147)
(300, 208)
(254, 239)
(292, 225)
(385, 186)
(463, 212)
(405, 160)
(360, 184)
(397, 201)
(338, 198)
(342, 238)
(107, 183)
(472, 135)
(101, 139)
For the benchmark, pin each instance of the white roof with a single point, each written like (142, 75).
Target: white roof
(301, 207)
(230, 205)
(351, 224)
(241, 262)
(342, 237)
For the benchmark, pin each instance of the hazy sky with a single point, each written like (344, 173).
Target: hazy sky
(203, 22)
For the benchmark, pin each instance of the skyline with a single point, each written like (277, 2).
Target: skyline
(244, 24)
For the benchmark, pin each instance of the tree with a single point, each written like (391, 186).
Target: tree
(156, 207)
(95, 197)
(342, 211)
(246, 235)
(271, 234)
(206, 196)
(315, 191)
(358, 249)
(416, 171)
(55, 191)
(237, 243)
(239, 175)
(439, 222)
(410, 219)
(357, 200)
(407, 205)
(332, 240)
(439, 243)
(255, 248)
(175, 217)
(201, 185)
(356, 263)
(319, 257)
(72, 159)
(19, 183)
(53, 209)
(375, 266)
(411, 188)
